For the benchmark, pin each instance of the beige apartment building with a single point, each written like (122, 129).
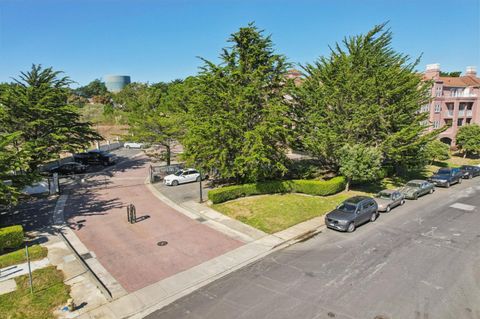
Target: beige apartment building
(455, 101)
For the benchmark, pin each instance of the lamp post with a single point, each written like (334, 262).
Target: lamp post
(200, 184)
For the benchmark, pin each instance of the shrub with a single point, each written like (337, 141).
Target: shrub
(311, 187)
(11, 237)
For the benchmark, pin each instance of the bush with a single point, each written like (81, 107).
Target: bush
(11, 237)
(310, 187)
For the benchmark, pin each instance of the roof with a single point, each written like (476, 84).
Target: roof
(461, 81)
(357, 199)
(417, 181)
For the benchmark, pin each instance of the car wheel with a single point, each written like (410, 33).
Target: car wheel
(351, 227)
(388, 209)
(431, 191)
(415, 197)
(402, 202)
(373, 217)
(198, 179)
(447, 185)
(174, 183)
(127, 147)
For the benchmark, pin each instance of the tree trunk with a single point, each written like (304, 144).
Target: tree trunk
(168, 154)
(465, 154)
(347, 187)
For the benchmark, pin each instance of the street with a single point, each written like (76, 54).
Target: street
(419, 261)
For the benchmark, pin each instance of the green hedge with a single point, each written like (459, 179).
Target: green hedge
(311, 187)
(11, 237)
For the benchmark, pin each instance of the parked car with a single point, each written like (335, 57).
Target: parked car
(416, 188)
(470, 171)
(351, 213)
(446, 177)
(95, 157)
(69, 169)
(133, 145)
(182, 176)
(388, 199)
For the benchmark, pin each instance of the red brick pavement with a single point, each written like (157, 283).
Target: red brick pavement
(130, 252)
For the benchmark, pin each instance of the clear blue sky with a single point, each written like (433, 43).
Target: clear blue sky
(160, 40)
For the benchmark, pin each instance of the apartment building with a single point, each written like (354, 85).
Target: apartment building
(455, 101)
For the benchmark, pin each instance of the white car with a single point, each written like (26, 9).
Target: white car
(133, 145)
(186, 175)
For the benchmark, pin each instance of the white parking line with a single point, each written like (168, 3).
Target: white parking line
(463, 206)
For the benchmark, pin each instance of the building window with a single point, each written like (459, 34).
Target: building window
(438, 91)
(459, 122)
(448, 122)
(436, 124)
(467, 121)
(438, 108)
(424, 122)
(425, 108)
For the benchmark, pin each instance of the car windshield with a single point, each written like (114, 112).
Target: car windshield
(347, 207)
(178, 173)
(443, 171)
(384, 195)
(467, 168)
(412, 184)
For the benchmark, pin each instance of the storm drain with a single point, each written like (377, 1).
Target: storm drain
(200, 219)
(162, 243)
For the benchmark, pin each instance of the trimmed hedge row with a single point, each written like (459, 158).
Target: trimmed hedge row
(11, 237)
(310, 187)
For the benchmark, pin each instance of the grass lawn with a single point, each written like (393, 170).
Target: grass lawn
(49, 292)
(272, 213)
(35, 252)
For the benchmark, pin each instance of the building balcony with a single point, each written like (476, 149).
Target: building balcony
(469, 113)
(461, 113)
(463, 95)
(448, 114)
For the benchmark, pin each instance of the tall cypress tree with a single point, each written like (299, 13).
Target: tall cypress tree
(364, 93)
(36, 106)
(237, 123)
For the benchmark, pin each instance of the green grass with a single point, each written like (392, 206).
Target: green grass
(272, 213)
(35, 252)
(49, 292)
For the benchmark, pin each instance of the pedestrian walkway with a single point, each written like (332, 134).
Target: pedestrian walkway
(162, 243)
(13, 271)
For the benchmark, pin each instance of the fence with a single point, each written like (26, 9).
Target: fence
(158, 172)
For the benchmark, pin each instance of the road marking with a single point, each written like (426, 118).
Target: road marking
(463, 206)
(431, 285)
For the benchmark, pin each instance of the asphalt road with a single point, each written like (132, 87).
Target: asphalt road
(420, 261)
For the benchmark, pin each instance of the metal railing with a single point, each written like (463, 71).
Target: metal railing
(103, 288)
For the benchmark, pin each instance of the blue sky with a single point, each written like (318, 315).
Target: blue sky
(160, 40)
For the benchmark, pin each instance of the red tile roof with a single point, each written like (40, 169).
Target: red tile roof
(461, 81)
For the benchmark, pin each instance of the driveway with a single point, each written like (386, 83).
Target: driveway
(130, 252)
(420, 261)
(184, 192)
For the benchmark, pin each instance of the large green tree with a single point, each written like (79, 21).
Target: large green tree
(237, 119)
(36, 107)
(359, 163)
(154, 113)
(365, 93)
(468, 139)
(94, 88)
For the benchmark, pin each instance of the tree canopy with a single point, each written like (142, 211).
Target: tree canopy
(238, 118)
(365, 93)
(35, 108)
(468, 138)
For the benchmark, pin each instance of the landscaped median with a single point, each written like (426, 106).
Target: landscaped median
(281, 204)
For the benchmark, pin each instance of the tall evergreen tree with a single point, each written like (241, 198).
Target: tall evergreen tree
(364, 93)
(35, 105)
(237, 122)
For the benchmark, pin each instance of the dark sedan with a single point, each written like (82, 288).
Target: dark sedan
(351, 213)
(69, 169)
(470, 171)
